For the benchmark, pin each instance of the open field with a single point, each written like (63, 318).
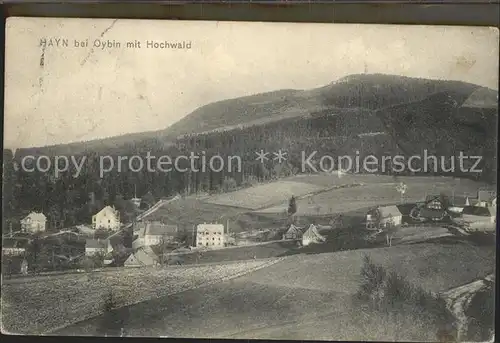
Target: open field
(64, 299)
(369, 190)
(301, 297)
(433, 266)
(374, 192)
(264, 194)
(261, 251)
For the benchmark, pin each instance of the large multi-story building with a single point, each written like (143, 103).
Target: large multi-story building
(210, 235)
(107, 218)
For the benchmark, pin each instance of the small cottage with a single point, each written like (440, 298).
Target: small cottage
(34, 222)
(141, 257)
(383, 216)
(293, 232)
(154, 233)
(311, 235)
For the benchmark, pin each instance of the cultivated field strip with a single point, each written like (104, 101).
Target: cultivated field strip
(43, 307)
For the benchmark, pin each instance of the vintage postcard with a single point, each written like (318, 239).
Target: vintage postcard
(248, 180)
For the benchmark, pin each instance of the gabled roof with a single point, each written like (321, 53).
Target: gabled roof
(96, 244)
(209, 227)
(293, 230)
(35, 216)
(387, 211)
(144, 256)
(132, 261)
(109, 209)
(312, 233)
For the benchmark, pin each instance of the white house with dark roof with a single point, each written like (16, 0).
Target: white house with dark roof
(210, 235)
(34, 222)
(107, 218)
(383, 216)
(153, 233)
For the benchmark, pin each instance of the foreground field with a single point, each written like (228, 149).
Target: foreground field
(301, 297)
(38, 306)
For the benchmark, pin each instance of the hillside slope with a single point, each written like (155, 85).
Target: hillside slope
(370, 91)
(351, 93)
(445, 124)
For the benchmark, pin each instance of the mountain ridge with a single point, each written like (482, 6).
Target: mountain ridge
(371, 92)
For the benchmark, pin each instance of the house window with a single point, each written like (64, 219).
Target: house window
(109, 221)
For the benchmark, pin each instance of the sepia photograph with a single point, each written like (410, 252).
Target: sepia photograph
(249, 180)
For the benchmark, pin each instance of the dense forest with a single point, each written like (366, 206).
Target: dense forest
(357, 116)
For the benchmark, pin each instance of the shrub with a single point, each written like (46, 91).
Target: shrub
(392, 296)
(111, 323)
(481, 314)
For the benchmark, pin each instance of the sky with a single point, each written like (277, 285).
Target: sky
(63, 94)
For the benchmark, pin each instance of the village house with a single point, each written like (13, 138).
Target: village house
(34, 222)
(454, 203)
(13, 247)
(107, 218)
(97, 246)
(292, 233)
(142, 257)
(312, 236)
(383, 216)
(153, 233)
(210, 235)
(478, 218)
(486, 198)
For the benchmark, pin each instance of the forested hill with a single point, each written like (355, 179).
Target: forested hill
(366, 91)
(376, 115)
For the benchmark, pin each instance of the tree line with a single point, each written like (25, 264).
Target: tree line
(69, 200)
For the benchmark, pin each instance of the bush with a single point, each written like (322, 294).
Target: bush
(111, 321)
(389, 294)
(481, 314)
